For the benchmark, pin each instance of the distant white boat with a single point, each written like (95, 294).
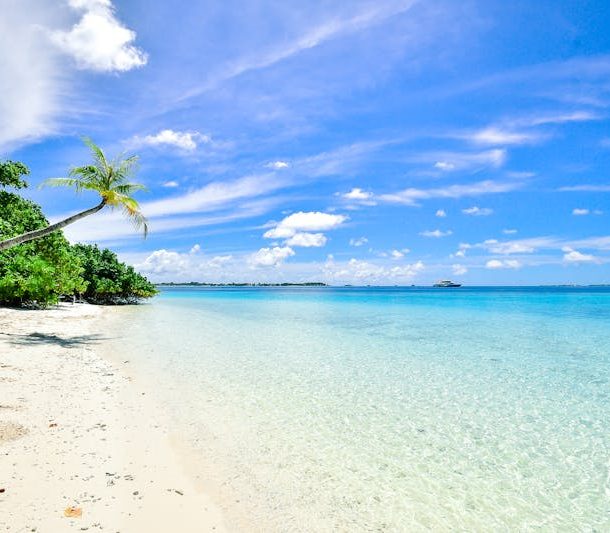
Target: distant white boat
(446, 283)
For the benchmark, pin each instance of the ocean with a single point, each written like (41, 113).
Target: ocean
(386, 409)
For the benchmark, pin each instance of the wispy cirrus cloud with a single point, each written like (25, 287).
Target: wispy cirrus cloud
(412, 195)
(437, 233)
(309, 38)
(585, 188)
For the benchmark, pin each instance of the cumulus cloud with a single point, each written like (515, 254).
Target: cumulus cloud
(358, 242)
(444, 165)
(495, 264)
(172, 265)
(478, 211)
(307, 240)
(584, 212)
(271, 257)
(459, 270)
(357, 194)
(183, 140)
(304, 222)
(163, 262)
(574, 256)
(277, 165)
(523, 246)
(397, 254)
(360, 271)
(437, 233)
(170, 184)
(441, 213)
(509, 231)
(99, 41)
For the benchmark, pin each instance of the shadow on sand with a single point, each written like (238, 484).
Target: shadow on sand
(32, 339)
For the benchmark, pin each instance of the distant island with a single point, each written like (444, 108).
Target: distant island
(203, 284)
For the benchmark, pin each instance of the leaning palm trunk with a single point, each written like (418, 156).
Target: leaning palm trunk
(42, 232)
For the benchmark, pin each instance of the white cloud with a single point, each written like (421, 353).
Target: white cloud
(310, 38)
(574, 256)
(307, 240)
(478, 211)
(304, 222)
(524, 246)
(358, 242)
(213, 196)
(31, 81)
(184, 140)
(163, 262)
(558, 118)
(453, 161)
(459, 270)
(509, 231)
(357, 194)
(397, 254)
(495, 136)
(219, 260)
(268, 257)
(580, 212)
(411, 196)
(175, 266)
(437, 233)
(99, 41)
(171, 184)
(506, 263)
(444, 165)
(277, 165)
(586, 188)
(441, 213)
(357, 271)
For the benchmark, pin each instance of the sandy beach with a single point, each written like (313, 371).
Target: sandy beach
(79, 436)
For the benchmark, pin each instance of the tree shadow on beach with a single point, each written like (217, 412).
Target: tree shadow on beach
(33, 339)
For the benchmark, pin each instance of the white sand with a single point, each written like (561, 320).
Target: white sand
(108, 454)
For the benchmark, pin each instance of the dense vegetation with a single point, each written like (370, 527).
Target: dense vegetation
(42, 271)
(108, 280)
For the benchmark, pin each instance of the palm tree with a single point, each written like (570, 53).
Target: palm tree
(109, 179)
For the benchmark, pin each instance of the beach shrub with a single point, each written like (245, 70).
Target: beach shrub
(108, 280)
(38, 272)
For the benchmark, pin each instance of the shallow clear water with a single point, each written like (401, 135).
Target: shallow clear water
(389, 409)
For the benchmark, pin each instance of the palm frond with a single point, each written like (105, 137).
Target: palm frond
(129, 188)
(59, 182)
(138, 220)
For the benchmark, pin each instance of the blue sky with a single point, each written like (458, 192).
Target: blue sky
(391, 142)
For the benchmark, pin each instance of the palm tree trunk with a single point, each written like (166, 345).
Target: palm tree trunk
(42, 232)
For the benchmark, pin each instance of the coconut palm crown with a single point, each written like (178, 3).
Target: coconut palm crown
(110, 179)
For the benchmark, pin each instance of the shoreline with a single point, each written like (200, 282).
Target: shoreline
(76, 431)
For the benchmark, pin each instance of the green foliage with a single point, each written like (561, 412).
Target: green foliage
(11, 173)
(42, 271)
(109, 280)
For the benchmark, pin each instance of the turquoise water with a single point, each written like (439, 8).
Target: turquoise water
(388, 409)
